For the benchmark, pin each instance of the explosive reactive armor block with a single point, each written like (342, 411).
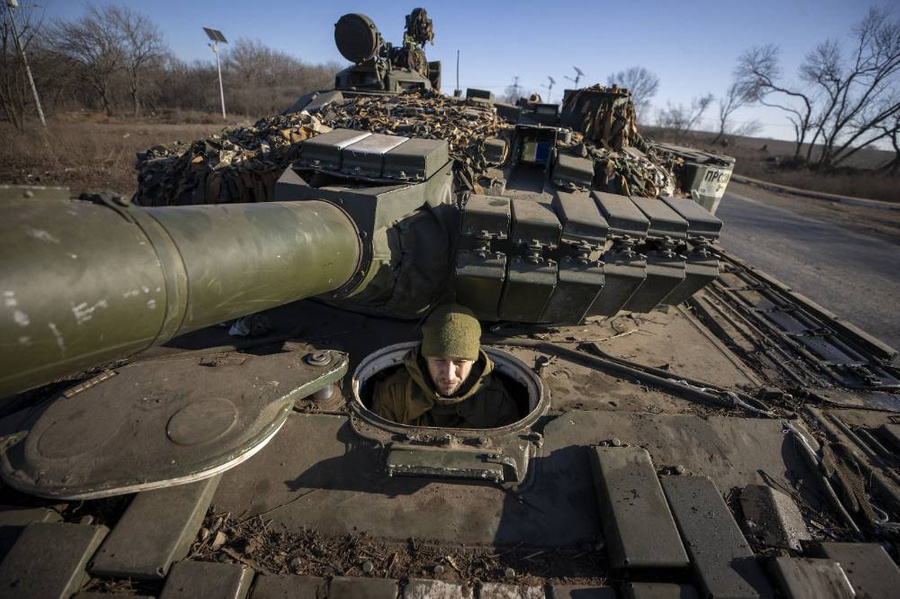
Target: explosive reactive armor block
(324, 151)
(572, 172)
(532, 277)
(624, 268)
(665, 266)
(365, 158)
(480, 272)
(584, 232)
(416, 160)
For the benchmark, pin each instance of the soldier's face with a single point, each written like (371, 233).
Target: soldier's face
(448, 374)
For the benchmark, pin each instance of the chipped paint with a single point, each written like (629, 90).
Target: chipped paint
(59, 338)
(132, 293)
(9, 299)
(42, 235)
(21, 318)
(84, 313)
(73, 256)
(24, 340)
(151, 304)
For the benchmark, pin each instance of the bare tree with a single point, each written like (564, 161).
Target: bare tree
(844, 97)
(142, 45)
(735, 97)
(97, 49)
(858, 93)
(512, 93)
(261, 79)
(891, 130)
(680, 119)
(14, 92)
(642, 83)
(758, 75)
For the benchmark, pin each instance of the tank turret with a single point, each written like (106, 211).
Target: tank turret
(366, 221)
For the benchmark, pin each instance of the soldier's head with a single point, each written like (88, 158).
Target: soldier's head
(450, 345)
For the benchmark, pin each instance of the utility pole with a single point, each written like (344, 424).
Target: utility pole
(457, 92)
(516, 87)
(216, 36)
(11, 5)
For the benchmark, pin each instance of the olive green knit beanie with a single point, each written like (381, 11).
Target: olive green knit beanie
(451, 331)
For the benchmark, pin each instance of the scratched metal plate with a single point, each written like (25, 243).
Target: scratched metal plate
(163, 422)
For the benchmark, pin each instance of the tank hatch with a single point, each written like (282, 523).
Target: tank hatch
(499, 455)
(131, 429)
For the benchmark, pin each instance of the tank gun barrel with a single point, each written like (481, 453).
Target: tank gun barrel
(85, 282)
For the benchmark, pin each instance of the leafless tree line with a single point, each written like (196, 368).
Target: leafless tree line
(116, 60)
(846, 96)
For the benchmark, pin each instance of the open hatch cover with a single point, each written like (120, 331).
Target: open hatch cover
(162, 423)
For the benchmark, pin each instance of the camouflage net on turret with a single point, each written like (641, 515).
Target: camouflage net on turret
(239, 165)
(604, 115)
(605, 124)
(242, 164)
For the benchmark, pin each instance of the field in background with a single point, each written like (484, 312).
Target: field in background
(764, 159)
(92, 152)
(89, 152)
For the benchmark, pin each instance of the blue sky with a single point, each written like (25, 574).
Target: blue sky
(691, 46)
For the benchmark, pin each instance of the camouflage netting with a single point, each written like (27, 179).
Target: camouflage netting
(242, 164)
(605, 116)
(632, 173)
(623, 162)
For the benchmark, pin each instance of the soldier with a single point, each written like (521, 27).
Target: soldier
(447, 380)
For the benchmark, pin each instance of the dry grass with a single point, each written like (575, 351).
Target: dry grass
(88, 153)
(764, 159)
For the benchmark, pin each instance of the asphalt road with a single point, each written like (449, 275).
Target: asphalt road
(855, 276)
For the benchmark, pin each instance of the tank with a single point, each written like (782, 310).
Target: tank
(688, 425)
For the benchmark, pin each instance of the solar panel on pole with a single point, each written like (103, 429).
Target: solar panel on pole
(216, 36)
